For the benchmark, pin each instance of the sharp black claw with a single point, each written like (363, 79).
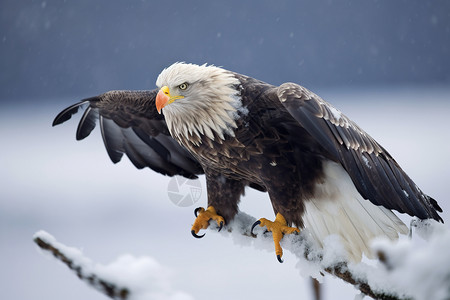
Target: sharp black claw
(254, 225)
(197, 236)
(221, 226)
(196, 211)
(279, 259)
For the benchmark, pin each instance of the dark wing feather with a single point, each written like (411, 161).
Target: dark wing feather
(376, 175)
(130, 124)
(112, 139)
(67, 113)
(87, 123)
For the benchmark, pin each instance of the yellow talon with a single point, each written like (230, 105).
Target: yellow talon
(278, 228)
(202, 220)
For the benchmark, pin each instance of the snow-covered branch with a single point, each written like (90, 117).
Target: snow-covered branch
(81, 265)
(127, 278)
(409, 269)
(312, 261)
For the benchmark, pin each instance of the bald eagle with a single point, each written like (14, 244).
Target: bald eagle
(322, 171)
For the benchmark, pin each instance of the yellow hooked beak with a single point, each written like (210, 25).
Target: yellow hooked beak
(163, 98)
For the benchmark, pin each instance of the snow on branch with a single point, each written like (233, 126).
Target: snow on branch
(127, 278)
(312, 261)
(409, 269)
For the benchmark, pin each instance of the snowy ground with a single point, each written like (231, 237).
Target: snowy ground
(71, 189)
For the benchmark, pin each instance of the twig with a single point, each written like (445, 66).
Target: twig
(102, 285)
(317, 289)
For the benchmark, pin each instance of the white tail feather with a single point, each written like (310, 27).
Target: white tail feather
(338, 208)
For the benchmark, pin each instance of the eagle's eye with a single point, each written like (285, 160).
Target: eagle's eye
(183, 86)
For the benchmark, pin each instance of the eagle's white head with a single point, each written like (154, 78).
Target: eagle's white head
(198, 101)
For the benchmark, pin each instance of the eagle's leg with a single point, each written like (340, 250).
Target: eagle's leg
(202, 220)
(278, 228)
(223, 199)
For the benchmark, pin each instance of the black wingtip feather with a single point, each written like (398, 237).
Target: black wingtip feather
(435, 204)
(67, 113)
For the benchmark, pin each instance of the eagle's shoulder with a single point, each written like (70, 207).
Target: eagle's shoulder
(347, 132)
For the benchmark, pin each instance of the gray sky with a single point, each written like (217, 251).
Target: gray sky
(58, 48)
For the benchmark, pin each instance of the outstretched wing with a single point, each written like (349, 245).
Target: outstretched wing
(130, 124)
(376, 175)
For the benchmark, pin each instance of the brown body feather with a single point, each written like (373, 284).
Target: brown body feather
(269, 150)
